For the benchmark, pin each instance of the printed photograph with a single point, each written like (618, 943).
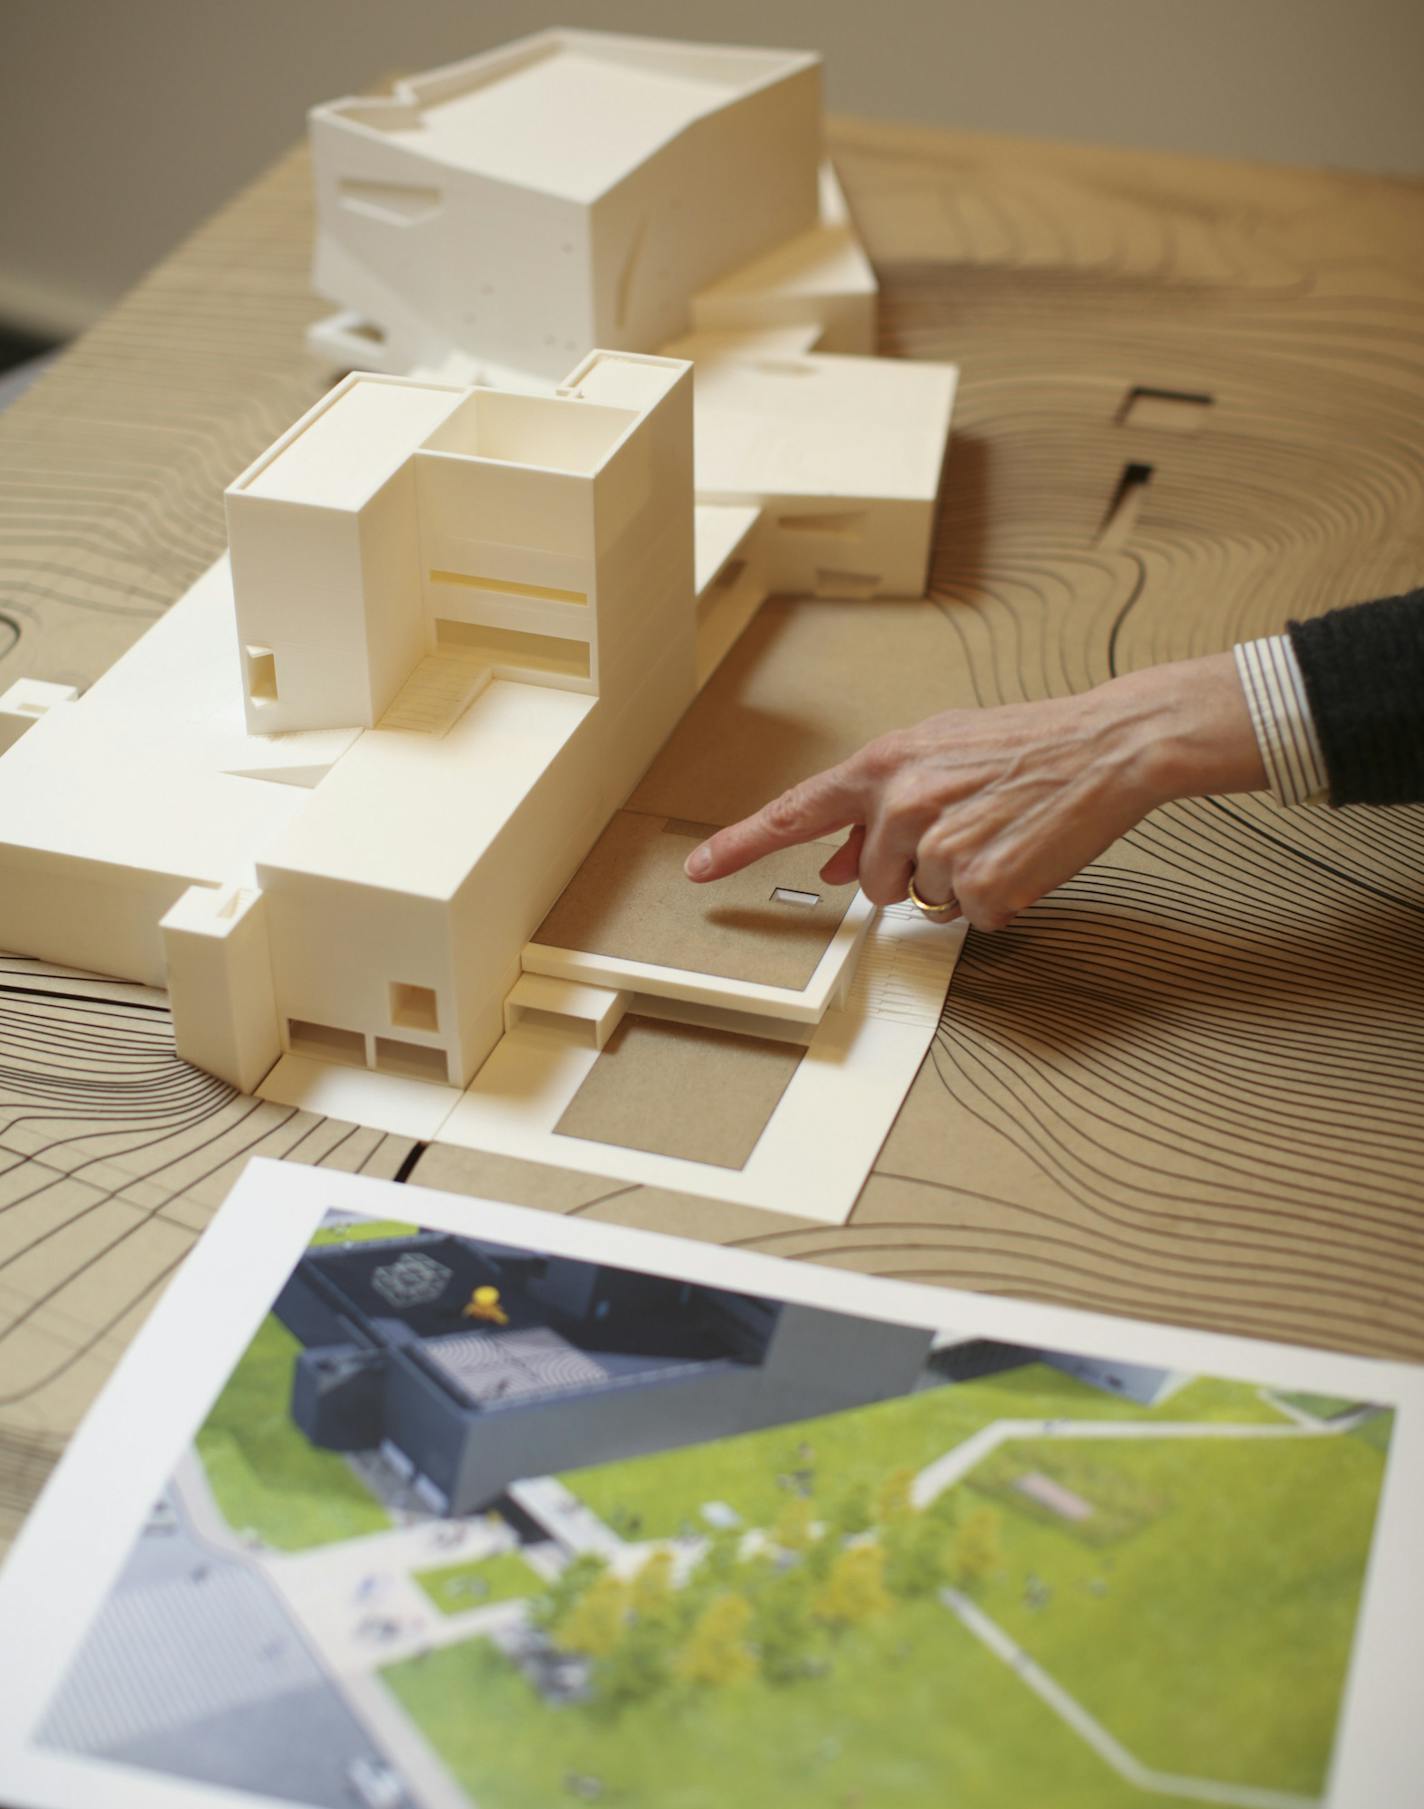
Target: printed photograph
(477, 1527)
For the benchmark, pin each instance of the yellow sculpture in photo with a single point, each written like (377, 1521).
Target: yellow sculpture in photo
(484, 1304)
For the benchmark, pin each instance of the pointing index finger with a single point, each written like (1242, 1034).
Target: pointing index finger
(817, 806)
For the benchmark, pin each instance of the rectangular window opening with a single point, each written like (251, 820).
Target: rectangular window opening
(394, 203)
(788, 895)
(833, 583)
(326, 1042)
(1126, 503)
(509, 649)
(414, 1007)
(415, 1061)
(1172, 410)
(506, 587)
(580, 1030)
(848, 524)
(261, 674)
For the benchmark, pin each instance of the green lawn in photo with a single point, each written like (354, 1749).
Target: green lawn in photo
(1319, 1406)
(265, 1474)
(360, 1231)
(1212, 1635)
(1376, 1431)
(1204, 1611)
(456, 1588)
(656, 1497)
(916, 1713)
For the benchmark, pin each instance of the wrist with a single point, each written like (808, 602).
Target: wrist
(1188, 729)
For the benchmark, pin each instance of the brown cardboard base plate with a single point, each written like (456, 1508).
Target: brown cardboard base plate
(674, 1089)
(631, 899)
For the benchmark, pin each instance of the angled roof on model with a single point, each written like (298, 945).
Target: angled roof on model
(567, 113)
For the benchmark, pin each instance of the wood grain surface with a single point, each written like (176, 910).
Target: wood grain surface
(1190, 1085)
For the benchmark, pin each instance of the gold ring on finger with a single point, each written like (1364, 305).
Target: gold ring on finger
(936, 911)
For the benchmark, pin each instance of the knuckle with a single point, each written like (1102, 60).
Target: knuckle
(938, 847)
(882, 891)
(982, 905)
(783, 815)
(902, 817)
(883, 756)
(989, 877)
(982, 913)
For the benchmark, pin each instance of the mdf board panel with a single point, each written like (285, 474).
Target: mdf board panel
(808, 683)
(637, 1091)
(630, 898)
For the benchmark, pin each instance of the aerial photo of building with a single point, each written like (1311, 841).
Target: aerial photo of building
(470, 1366)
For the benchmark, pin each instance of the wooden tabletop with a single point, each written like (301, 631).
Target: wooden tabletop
(1190, 1084)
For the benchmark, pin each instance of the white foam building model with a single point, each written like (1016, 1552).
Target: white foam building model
(577, 189)
(331, 795)
(492, 221)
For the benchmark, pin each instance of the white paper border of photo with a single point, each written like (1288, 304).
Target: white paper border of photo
(72, 1547)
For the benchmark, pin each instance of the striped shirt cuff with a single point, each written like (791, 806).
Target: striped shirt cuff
(1280, 715)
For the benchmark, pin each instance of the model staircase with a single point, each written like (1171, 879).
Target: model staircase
(437, 693)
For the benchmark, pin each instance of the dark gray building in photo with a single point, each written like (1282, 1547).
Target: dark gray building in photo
(575, 1363)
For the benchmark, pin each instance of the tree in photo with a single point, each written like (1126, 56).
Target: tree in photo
(895, 1502)
(853, 1512)
(654, 1595)
(854, 1590)
(597, 1622)
(717, 1652)
(795, 1527)
(943, 1510)
(917, 1557)
(548, 1609)
(724, 1550)
(978, 1551)
(640, 1663)
(784, 1630)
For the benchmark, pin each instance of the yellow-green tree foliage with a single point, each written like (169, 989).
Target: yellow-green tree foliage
(855, 1589)
(793, 1528)
(598, 1620)
(717, 1652)
(549, 1609)
(853, 1512)
(652, 1595)
(917, 1556)
(977, 1550)
(895, 1503)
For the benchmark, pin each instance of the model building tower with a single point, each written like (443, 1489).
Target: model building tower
(570, 190)
(498, 587)
(404, 543)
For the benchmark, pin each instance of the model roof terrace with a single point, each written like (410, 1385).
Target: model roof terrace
(354, 441)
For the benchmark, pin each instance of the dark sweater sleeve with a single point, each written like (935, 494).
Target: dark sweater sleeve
(1364, 679)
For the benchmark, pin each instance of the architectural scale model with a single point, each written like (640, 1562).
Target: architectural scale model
(359, 799)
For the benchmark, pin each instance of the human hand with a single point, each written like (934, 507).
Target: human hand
(993, 808)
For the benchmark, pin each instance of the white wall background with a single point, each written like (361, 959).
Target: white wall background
(124, 122)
